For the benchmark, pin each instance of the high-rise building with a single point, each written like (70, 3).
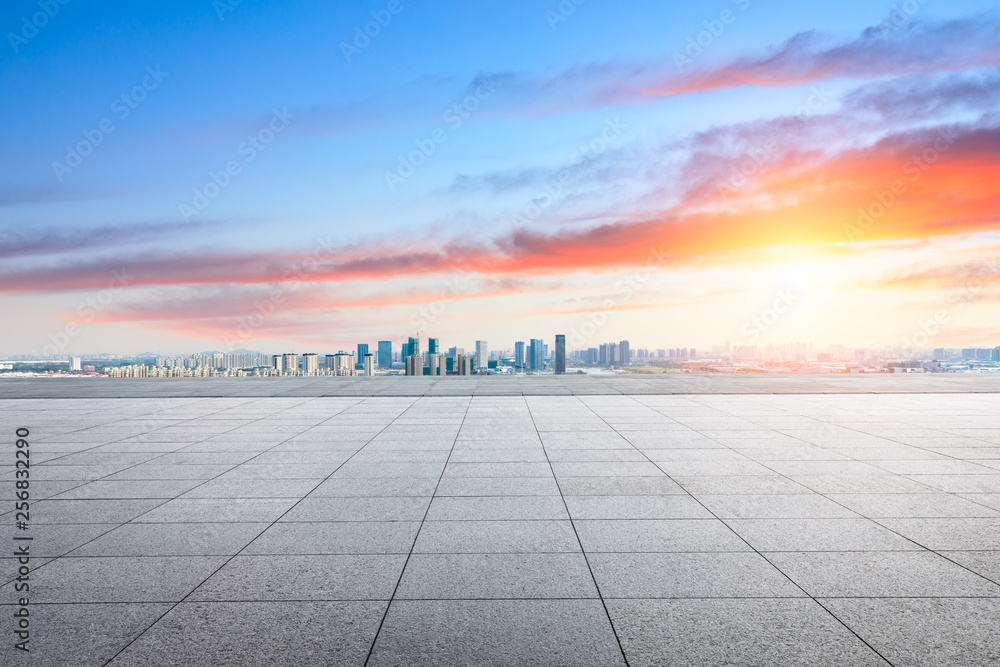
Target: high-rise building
(463, 365)
(368, 365)
(385, 354)
(360, 359)
(537, 354)
(291, 364)
(624, 353)
(984, 354)
(519, 354)
(413, 346)
(75, 363)
(404, 351)
(560, 354)
(279, 364)
(436, 364)
(482, 354)
(996, 354)
(310, 364)
(969, 354)
(433, 345)
(415, 365)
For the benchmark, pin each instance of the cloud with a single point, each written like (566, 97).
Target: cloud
(54, 241)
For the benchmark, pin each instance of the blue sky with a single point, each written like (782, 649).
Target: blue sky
(345, 122)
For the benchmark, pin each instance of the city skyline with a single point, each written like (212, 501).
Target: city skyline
(758, 172)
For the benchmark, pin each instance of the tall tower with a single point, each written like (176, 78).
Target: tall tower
(560, 354)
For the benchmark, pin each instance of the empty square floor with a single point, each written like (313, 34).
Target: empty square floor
(507, 530)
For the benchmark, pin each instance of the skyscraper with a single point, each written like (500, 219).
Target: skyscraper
(310, 364)
(385, 354)
(519, 354)
(433, 345)
(624, 353)
(414, 365)
(362, 351)
(537, 354)
(560, 354)
(291, 364)
(414, 346)
(368, 365)
(482, 354)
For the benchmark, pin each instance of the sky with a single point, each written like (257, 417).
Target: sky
(305, 176)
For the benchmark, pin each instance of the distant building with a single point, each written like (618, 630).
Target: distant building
(482, 354)
(560, 354)
(291, 364)
(415, 365)
(463, 365)
(368, 365)
(75, 364)
(362, 351)
(279, 364)
(433, 345)
(385, 354)
(624, 353)
(413, 347)
(519, 354)
(536, 354)
(436, 364)
(310, 364)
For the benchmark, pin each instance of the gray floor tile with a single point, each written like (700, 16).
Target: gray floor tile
(375, 487)
(173, 539)
(636, 507)
(498, 486)
(911, 505)
(218, 510)
(619, 486)
(509, 632)
(497, 537)
(932, 632)
(819, 535)
(493, 508)
(881, 574)
(119, 579)
(496, 576)
(90, 511)
(790, 506)
(735, 632)
(689, 575)
(346, 537)
(654, 535)
(949, 534)
(258, 634)
(330, 577)
(388, 508)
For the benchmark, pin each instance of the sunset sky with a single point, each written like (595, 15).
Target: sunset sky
(264, 175)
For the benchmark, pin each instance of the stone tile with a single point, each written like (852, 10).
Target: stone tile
(328, 577)
(375, 487)
(949, 534)
(689, 575)
(493, 508)
(819, 535)
(56, 540)
(881, 574)
(218, 510)
(346, 537)
(790, 506)
(388, 508)
(258, 634)
(984, 563)
(498, 486)
(258, 488)
(619, 486)
(658, 536)
(932, 632)
(636, 507)
(83, 635)
(90, 511)
(496, 576)
(509, 632)
(108, 490)
(911, 505)
(173, 539)
(740, 485)
(497, 537)
(119, 579)
(735, 632)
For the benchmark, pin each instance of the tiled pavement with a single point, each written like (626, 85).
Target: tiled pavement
(510, 530)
